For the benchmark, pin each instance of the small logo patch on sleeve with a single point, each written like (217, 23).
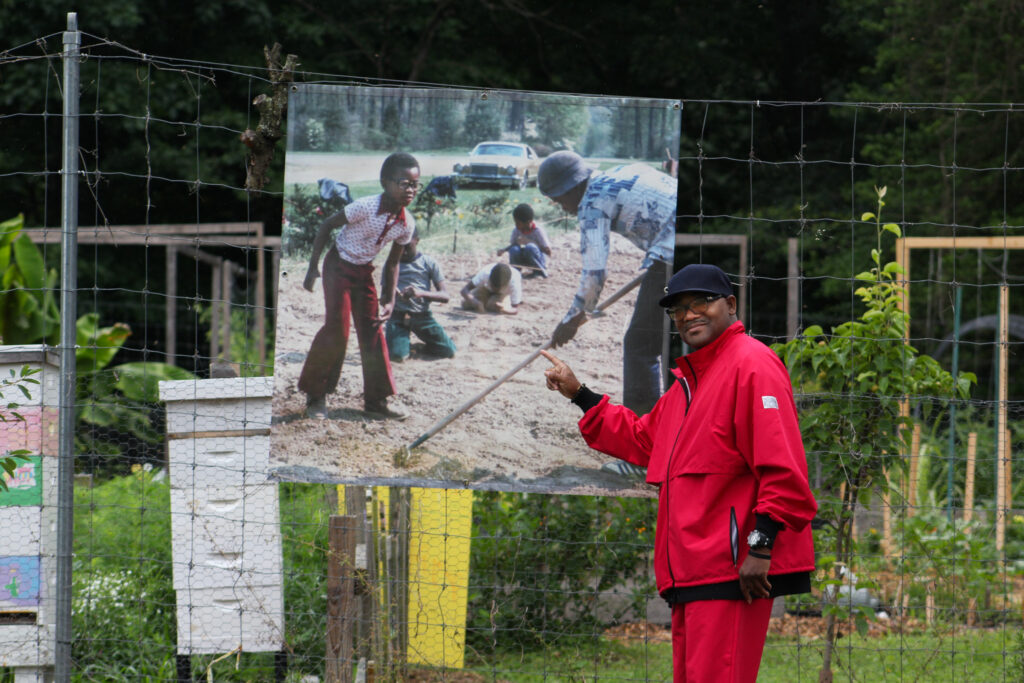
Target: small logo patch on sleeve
(769, 402)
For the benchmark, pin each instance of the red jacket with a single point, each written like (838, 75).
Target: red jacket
(723, 440)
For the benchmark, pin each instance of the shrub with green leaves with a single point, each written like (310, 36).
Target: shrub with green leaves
(541, 565)
(852, 385)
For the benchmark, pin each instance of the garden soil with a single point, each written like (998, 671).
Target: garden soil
(520, 437)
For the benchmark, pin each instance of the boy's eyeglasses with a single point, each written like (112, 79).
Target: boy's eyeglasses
(406, 185)
(698, 306)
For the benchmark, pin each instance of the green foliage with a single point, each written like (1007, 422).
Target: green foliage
(243, 340)
(482, 123)
(427, 206)
(540, 564)
(854, 383)
(953, 561)
(115, 401)
(304, 216)
(123, 598)
(123, 612)
(558, 126)
(28, 309)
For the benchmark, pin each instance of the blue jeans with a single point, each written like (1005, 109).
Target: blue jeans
(527, 255)
(641, 346)
(423, 325)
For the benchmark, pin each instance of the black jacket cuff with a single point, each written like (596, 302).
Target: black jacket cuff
(768, 526)
(587, 399)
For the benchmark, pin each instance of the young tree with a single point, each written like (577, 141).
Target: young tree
(854, 384)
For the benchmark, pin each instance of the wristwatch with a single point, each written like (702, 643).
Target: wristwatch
(758, 540)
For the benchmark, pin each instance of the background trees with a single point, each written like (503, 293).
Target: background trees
(938, 163)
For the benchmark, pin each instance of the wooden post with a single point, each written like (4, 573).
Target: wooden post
(792, 289)
(1008, 474)
(261, 299)
(972, 452)
(170, 306)
(929, 604)
(355, 506)
(377, 559)
(915, 453)
(1001, 430)
(887, 545)
(227, 273)
(340, 598)
(215, 282)
(399, 580)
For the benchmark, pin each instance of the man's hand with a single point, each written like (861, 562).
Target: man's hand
(560, 377)
(564, 333)
(312, 273)
(386, 310)
(409, 293)
(754, 578)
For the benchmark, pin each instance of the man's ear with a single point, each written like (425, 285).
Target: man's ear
(731, 301)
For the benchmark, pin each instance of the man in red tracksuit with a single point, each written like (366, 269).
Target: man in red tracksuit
(723, 447)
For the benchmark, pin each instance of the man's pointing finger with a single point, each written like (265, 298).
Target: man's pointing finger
(552, 358)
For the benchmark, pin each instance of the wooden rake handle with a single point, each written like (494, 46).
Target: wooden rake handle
(452, 416)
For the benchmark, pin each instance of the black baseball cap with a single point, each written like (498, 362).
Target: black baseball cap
(697, 277)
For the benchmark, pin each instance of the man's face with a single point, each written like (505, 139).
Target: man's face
(698, 327)
(570, 201)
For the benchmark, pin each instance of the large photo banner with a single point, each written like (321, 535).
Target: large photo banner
(434, 241)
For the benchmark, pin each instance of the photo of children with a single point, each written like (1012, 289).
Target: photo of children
(528, 247)
(349, 291)
(420, 283)
(434, 191)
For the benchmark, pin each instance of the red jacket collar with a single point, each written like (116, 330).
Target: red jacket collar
(701, 358)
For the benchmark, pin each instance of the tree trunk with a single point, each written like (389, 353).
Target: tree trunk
(844, 550)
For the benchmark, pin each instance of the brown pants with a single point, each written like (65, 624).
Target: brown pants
(349, 296)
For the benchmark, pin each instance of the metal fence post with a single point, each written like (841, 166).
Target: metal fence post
(68, 308)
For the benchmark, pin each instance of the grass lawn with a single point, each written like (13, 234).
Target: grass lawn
(980, 656)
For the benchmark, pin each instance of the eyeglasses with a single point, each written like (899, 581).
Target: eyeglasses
(697, 306)
(406, 185)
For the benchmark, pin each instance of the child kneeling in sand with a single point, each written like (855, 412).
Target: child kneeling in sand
(496, 288)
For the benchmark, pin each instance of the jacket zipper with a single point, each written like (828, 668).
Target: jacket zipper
(668, 467)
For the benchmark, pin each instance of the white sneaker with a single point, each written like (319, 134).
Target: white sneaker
(625, 469)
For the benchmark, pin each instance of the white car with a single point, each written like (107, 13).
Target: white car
(509, 164)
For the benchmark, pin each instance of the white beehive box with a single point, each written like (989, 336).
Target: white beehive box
(230, 536)
(212, 620)
(26, 646)
(229, 405)
(28, 513)
(46, 358)
(225, 524)
(218, 461)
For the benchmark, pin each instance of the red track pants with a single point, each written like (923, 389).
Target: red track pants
(718, 641)
(349, 292)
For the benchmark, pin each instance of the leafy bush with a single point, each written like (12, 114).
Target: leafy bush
(854, 383)
(540, 564)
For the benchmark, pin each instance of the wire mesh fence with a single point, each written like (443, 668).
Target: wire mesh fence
(191, 557)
